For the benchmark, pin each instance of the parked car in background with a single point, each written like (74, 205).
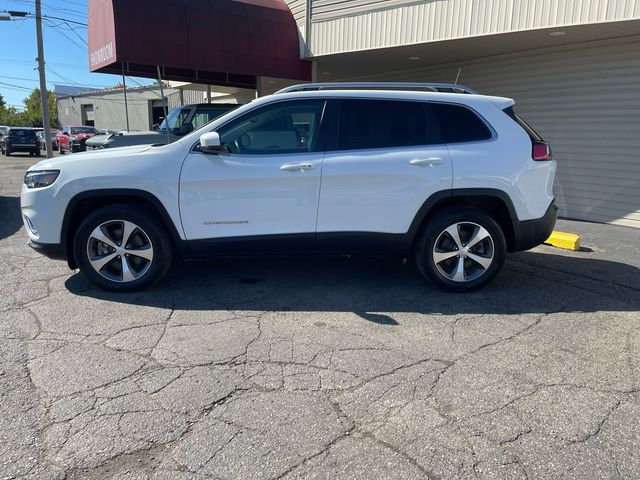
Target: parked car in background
(4, 129)
(180, 121)
(53, 139)
(21, 139)
(72, 138)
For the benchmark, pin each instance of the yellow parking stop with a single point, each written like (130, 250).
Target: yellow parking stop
(568, 241)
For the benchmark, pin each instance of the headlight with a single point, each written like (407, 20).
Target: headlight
(40, 178)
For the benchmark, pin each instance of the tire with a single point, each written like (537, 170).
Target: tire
(101, 259)
(445, 260)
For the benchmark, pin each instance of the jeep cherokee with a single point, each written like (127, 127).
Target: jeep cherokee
(437, 172)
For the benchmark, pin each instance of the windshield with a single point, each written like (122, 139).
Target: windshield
(22, 133)
(77, 130)
(175, 119)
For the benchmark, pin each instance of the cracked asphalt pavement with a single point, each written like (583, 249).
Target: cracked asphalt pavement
(339, 368)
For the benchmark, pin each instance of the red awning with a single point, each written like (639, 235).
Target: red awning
(219, 42)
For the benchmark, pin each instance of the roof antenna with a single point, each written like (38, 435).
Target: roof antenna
(458, 76)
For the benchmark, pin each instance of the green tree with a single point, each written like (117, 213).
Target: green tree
(8, 115)
(32, 114)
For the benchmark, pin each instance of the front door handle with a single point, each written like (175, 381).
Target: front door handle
(427, 161)
(296, 167)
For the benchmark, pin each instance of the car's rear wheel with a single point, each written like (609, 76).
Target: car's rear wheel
(122, 249)
(461, 249)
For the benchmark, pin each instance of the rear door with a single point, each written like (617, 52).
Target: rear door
(388, 158)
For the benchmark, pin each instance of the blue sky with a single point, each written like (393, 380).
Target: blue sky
(64, 45)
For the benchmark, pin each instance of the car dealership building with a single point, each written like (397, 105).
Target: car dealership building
(573, 66)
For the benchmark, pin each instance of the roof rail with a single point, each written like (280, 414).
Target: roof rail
(434, 87)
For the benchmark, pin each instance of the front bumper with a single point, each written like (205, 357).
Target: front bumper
(531, 233)
(55, 251)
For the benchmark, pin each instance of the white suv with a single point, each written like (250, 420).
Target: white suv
(433, 171)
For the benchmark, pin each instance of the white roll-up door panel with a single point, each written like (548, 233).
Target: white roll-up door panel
(585, 100)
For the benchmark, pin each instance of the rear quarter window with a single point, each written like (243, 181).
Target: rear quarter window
(460, 124)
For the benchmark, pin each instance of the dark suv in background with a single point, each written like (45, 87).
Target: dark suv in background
(21, 140)
(180, 121)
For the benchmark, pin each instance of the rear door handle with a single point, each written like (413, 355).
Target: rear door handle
(427, 161)
(296, 167)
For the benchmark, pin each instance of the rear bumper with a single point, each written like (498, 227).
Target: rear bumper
(23, 148)
(531, 233)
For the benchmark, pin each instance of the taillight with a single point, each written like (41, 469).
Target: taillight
(541, 151)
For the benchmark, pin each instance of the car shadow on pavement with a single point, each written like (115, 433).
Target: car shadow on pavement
(10, 219)
(376, 289)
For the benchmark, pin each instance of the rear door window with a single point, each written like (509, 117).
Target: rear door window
(370, 123)
(460, 124)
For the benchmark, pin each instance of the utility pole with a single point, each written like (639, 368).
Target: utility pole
(164, 104)
(124, 89)
(46, 119)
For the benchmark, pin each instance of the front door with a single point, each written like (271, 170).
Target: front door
(262, 193)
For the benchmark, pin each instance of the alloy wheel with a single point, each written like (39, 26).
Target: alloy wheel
(463, 252)
(120, 251)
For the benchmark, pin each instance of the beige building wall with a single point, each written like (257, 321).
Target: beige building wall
(352, 25)
(108, 108)
(585, 100)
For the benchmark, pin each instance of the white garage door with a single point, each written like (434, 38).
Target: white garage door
(585, 100)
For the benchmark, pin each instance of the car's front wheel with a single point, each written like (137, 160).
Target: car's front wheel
(461, 249)
(122, 249)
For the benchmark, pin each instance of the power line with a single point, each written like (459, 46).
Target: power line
(16, 61)
(43, 17)
(68, 38)
(61, 31)
(63, 78)
(10, 85)
(19, 78)
(47, 6)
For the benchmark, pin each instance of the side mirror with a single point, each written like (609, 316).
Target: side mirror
(185, 129)
(210, 143)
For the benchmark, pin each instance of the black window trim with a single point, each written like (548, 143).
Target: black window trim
(322, 134)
